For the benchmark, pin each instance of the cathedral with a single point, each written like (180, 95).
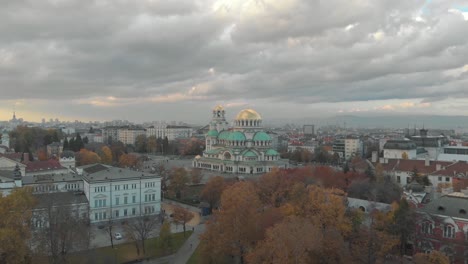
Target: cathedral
(242, 149)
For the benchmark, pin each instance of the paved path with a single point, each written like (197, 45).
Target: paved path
(187, 249)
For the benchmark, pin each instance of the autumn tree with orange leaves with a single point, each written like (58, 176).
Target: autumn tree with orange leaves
(182, 216)
(291, 241)
(85, 157)
(233, 231)
(106, 155)
(212, 191)
(128, 160)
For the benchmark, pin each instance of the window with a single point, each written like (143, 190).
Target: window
(125, 200)
(427, 228)
(153, 197)
(117, 200)
(116, 213)
(125, 212)
(96, 216)
(117, 187)
(449, 231)
(447, 179)
(133, 199)
(440, 178)
(133, 211)
(125, 187)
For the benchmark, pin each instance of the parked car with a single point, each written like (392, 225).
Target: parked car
(118, 236)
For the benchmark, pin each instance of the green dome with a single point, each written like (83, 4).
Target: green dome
(271, 152)
(249, 153)
(261, 136)
(223, 135)
(236, 136)
(213, 133)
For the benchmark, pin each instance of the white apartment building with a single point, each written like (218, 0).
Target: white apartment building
(170, 131)
(348, 147)
(128, 135)
(115, 193)
(353, 146)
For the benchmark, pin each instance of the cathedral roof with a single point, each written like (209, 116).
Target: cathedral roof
(248, 114)
(261, 136)
(249, 153)
(223, 135)
(271, 152)
(236, 136)
(213, 133)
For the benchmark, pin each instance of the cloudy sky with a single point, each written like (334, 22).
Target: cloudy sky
(175, 60)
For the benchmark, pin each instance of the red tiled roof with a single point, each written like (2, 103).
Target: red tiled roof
(43, 165)
(12, 156)
(410, 165)
(454, 169)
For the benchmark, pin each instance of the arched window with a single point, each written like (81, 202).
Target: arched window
(427, 228)
(449, 231)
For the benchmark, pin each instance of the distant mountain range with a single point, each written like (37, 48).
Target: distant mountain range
(384, 121)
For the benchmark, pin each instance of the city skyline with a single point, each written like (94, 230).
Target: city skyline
(157, 60)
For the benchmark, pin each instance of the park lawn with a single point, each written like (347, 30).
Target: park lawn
(196, 256)
(125, 252)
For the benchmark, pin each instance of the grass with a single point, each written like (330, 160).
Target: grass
(196, 256)
(125, 252)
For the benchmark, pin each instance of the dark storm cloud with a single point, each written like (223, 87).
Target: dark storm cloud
(146, 52)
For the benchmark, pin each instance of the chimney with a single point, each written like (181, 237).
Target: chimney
(25, 157)
(438, 167)
(374, 156)
(427, 162)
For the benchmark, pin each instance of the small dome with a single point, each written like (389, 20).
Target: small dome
(223, 135)
(271, 152)
(213, 133)
(236, 136)
(249, 153)
(218, 108)
(248, 114)
(261, 136)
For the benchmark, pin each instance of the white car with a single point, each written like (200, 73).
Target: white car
(118, 236)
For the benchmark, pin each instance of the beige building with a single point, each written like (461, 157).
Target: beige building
(170, 131)
(128, 135)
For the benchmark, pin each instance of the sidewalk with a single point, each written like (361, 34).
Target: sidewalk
(187, 249)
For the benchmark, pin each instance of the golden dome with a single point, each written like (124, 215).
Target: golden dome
(218, 108)
(248, 114)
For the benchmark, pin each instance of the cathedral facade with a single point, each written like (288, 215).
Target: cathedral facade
(244, 148)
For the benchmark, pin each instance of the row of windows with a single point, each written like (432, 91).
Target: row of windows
(125, 200)
(45, 188)
(72, 186)
(150, 184)
(150, 197)
(100, 203)
(100, 189)
(124, 187)
(428, 228)
(125, 212)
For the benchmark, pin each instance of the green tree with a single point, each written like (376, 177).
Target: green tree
(66, 145)
(165, 236)
(79, 144)
(152, 144)
(165, 146)
(15, 219)
(140, 143)
(403, 224)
